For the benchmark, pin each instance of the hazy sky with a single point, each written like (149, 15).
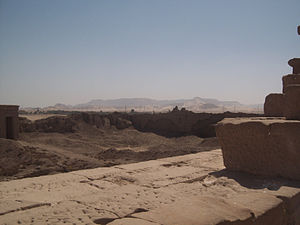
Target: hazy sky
(72, 51)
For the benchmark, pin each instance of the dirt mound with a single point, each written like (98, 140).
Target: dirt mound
(25, 125)
(19, 159)
(15, 158)
(59, 124)
(100, 121)
(69, 124)
(88, 140)
(41, 153)
(158, 147)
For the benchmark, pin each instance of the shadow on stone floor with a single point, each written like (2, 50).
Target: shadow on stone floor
(256, 182)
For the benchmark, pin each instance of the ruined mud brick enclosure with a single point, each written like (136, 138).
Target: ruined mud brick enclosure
(269, 145)
(9, 126)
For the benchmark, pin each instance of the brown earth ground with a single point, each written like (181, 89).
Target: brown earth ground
(41, 153)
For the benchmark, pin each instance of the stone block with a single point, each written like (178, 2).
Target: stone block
(261, 146)
(274, 105)
(290, 79)
(295, 63)
(292, 102)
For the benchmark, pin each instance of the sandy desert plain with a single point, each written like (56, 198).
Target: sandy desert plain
(117, 168)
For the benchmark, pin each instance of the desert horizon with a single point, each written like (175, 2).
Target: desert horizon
(195, 104)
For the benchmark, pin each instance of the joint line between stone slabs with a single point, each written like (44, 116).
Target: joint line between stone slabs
(26, 208)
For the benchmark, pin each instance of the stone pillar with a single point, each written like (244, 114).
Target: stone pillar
(289, 79)
(295, 64)
(273, 106)
(9, 122)
(267, 146)
(2, 124)
(291, 90)
(292, 102)
(15, 123)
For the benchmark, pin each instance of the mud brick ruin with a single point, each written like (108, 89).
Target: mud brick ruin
(9, 127)
(267, 145)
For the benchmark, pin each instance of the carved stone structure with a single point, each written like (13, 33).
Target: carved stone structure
(9, 127)
(274, 105)
(267, 146)
(261, 146)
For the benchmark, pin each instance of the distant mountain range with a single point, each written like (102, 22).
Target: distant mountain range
(196, 104)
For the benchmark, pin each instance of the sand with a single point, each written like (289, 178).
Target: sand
(34, 117)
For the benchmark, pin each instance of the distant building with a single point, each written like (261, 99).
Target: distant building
(9, 123)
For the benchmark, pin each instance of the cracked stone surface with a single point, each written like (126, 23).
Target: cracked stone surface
(190, 189)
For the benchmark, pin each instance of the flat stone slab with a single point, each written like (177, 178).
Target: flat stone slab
(263, 146)
(190, 189)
